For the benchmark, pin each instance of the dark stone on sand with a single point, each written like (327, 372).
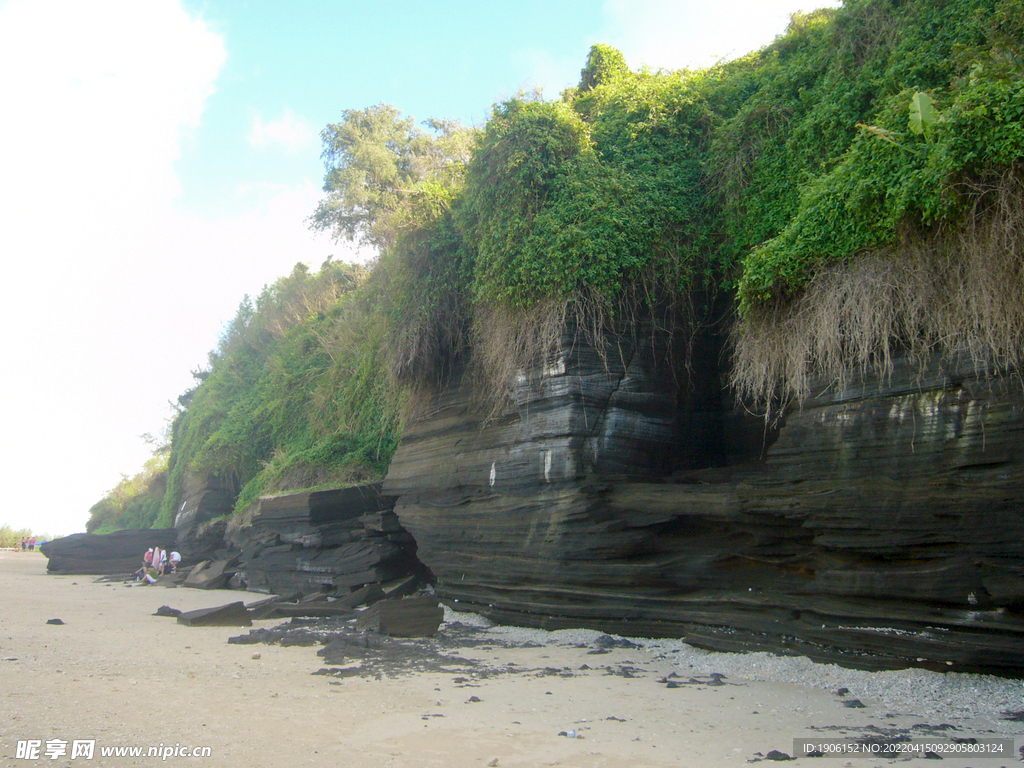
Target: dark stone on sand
(345, 647)
(853, 704)
(607, 641)
(255, 636)
(264, 609)
(104, 554)
(776, 755)
(230, 615)
(409, 617)
(209, 574)
(54, 621)
(318, 605)
(166, 610)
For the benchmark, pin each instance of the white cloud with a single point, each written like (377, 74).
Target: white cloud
(97, 93)
(97, 97)
(291, 132)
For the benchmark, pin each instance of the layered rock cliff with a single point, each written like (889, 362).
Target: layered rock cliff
(880, 529)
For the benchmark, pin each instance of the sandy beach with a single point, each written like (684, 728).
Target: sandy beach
(115, 674)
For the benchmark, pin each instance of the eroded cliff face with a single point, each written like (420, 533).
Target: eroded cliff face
(881, 528)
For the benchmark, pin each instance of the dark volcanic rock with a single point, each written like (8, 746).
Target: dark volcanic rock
(410, 617)
(104, 554)
(204, 499)
(209, 574)
(230, 615)
(367, 595)
(336, 541)
(879, 527)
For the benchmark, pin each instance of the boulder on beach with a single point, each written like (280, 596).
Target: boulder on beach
(410, 617)
(230, 615)
(105, 554)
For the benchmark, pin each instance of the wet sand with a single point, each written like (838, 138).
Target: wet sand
(117, 674)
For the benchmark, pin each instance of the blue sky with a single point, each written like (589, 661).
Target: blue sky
(158, 159)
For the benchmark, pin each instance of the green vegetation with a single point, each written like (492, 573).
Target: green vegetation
(888, 108)
(291, 398)
(902, 126)
(135, 501)
(857, 186)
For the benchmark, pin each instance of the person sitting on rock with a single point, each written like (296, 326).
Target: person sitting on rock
(174, 559)
(150, 575)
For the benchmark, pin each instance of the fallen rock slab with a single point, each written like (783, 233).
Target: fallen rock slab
(209, 574)
(410, 617)
(367, 595)
(230, 615)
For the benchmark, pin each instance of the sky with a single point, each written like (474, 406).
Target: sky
(159, 158)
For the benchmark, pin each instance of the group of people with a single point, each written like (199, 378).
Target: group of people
(155, 563)
(28, 544)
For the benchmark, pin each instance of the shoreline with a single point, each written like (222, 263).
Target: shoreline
(117, 674)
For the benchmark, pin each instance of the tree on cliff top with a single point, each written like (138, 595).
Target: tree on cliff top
(604, 63)
(377, 161)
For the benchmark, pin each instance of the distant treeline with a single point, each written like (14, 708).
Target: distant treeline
(11, 537)
(856, 189)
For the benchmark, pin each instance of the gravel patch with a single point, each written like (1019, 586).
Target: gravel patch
(932, 696)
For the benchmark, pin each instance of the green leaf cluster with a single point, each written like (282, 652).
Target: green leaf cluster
(862, 122)
(587, 193)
